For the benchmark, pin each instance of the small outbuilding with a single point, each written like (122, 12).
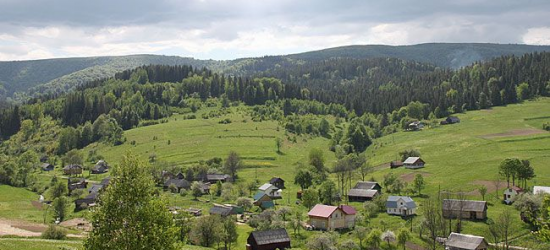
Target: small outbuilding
(214, 178)
(178, 183)
(263, 200)
(277, 182)
(541, 189)
(47, 167)
(396, 164)
(268, 240)
(414, 163)
(368, 185)
(511, 193)
(401, 205)
(458, 241)
(222, 211)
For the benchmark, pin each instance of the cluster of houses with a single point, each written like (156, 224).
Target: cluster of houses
(418, 125)
(100, 167)
(268, 192)
(179, 182)
(93, 193)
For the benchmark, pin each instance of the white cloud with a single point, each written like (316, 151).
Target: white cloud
(538, 36)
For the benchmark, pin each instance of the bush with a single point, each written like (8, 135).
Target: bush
(546, 126)
(225, 121)
(54, 233)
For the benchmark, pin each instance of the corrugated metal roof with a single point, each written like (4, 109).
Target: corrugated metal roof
(265, 187)
(271, 236)
(321, 210)
(365, 185)
(464, 205)
(369, 193)
(348, 209)
(393, 200)
(411, 160)
(543, 189)
(464, 241)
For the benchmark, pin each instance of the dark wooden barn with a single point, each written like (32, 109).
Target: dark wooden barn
(268, 240)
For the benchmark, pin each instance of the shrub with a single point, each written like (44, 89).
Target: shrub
(54, 233)
(546, 126)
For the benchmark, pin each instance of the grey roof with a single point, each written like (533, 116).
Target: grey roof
(106, 181)
(369, 193)
(46, 165)
(411, 160)
(392, 202)
(180, 183)
(464, 241)
(270, 236)
(72, 166)
(95, 188)
(365, 185)
(221, 210)
(466, 205)
(275, 179)
(219, 177)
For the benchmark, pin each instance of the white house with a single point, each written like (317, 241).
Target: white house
(414, 162)
(510, 193)
(541, 189)
(401, 205)
(271, 190)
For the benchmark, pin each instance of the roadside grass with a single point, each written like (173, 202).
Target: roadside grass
(38, 244)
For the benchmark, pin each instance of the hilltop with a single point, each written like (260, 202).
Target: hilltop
(59, 75)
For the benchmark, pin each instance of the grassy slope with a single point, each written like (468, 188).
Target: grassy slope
(15, 203)
(457, 155)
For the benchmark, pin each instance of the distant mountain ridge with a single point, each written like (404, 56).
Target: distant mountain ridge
(59, 75)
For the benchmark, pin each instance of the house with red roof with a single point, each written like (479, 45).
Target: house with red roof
(326, 217)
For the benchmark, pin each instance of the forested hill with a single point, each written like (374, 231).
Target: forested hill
(60, 75)
(63, 74)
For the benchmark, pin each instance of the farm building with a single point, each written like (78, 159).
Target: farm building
(268, 240)
(458, 241)
(47, 167)
(225, 210)
(214, 178)
(361, 195)
(450, 120)
(72, 169)
(263, 200)
(326, 217)
(179, 183)
(86, 202)
(541, 189)
(76, 183)
(510, 193)
(100, 167)
(414, 162)
(416, 125)
(467, 209)
(194, 211)
(401, 205)
(277, 182)
(368, 185)
(396, 164)
(271, 190)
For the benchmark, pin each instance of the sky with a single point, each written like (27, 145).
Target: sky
(216, 29)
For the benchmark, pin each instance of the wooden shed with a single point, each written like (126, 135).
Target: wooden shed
(466, 209)
(268, 240)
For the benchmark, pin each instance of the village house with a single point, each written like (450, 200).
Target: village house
(263, 200)
(324, 217)
(416, 125)
(414, 163)
(510, 194)
(72, 169)
(467, 209)
(178, 183)
(277, 182)
(368, 185)
(100, 167)
(458, 241)
(214, 178)
(541, 189)
(268, 240)
(400, 205)
(91, 198)
(47, 167)
(76, 183)
(271, 190)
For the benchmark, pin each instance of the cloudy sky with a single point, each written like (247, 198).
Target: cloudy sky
(216, 29)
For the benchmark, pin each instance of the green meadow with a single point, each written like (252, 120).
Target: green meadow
(460, 158)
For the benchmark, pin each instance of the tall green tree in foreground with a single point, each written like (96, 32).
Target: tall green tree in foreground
(128, 215)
